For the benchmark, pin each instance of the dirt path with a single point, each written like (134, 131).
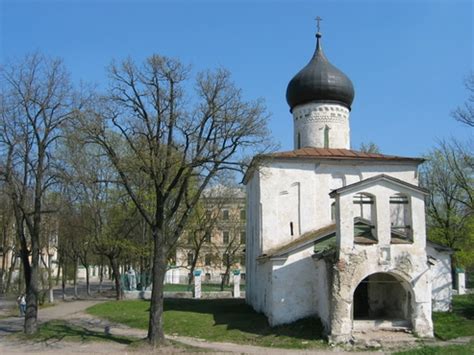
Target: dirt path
(74, 313)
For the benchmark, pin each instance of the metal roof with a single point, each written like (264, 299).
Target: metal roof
(319, 81)
(373, 179)
(338, 154)
(328, 154)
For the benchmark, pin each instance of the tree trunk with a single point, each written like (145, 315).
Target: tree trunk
(21, 278)
(225, 277)
(31, 281)
(10, 273)
(50, 280)
(118, 281)
(191, 271)
(88, 286)
(156, 335)
(63, 281)
(101, 276)
(60, 267)
(75, 279)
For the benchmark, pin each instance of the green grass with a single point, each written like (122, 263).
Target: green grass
(204, 287)
(58, 330)
(450, 325)
(467, 349)
(227, 320)
(459, 322)
(231, 320)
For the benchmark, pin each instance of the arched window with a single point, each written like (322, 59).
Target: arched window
(336, 182)
(326, 136)
(400, 218)
(364, 219)
(364, 206)
(333, 211)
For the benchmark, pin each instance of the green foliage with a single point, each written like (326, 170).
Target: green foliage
(448, 175)
(229, 320)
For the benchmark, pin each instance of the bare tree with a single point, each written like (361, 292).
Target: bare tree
(177, 143)
(36, 99)
(465, 113)
(369, 147)
(204, 226)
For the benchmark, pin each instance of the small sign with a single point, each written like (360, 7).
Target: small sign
(197, 272)
(236, 272)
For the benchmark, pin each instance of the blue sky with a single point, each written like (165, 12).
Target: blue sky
(407, 59)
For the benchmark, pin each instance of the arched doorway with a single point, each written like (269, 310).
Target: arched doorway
(382, 296)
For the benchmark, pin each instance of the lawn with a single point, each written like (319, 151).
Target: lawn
(467, 349)
(459, 322)
(450, 325)
(231, 320)
(228, 320)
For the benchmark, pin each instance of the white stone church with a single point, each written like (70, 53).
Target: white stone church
(338, 233)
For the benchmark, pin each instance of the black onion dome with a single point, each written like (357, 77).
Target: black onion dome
(319, 81)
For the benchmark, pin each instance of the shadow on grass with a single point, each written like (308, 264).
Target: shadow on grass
(236, 314)
(464, 306)
(55, 331)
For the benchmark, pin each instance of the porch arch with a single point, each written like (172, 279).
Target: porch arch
(383, 296)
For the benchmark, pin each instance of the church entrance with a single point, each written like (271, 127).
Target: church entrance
(381, 299)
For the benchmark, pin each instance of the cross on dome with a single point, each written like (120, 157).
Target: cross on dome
(318, 23)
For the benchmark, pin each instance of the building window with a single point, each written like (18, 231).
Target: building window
(242, 277)
(364, 219)
(326, 137)
(225, 215)
(208, 277)
(208, 237)
(242, 215)
(190, 239)
(225, 238)
(400, 217)
(242, 237)
(190, 259)
(242, 260)
(364, 206)
(291, 228)
(207, 260)
(299, 140)
(333, 211)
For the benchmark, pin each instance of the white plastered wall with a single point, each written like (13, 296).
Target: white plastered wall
(268, 227)
(408, 262)
(311, 120)
(298, 191)
(442, 289)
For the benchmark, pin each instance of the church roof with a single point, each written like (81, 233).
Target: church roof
(373, 179)
(319, 81)
(330, 154)
(305, 239)
(339, 154)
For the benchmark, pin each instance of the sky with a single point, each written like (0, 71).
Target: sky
(407, 59)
